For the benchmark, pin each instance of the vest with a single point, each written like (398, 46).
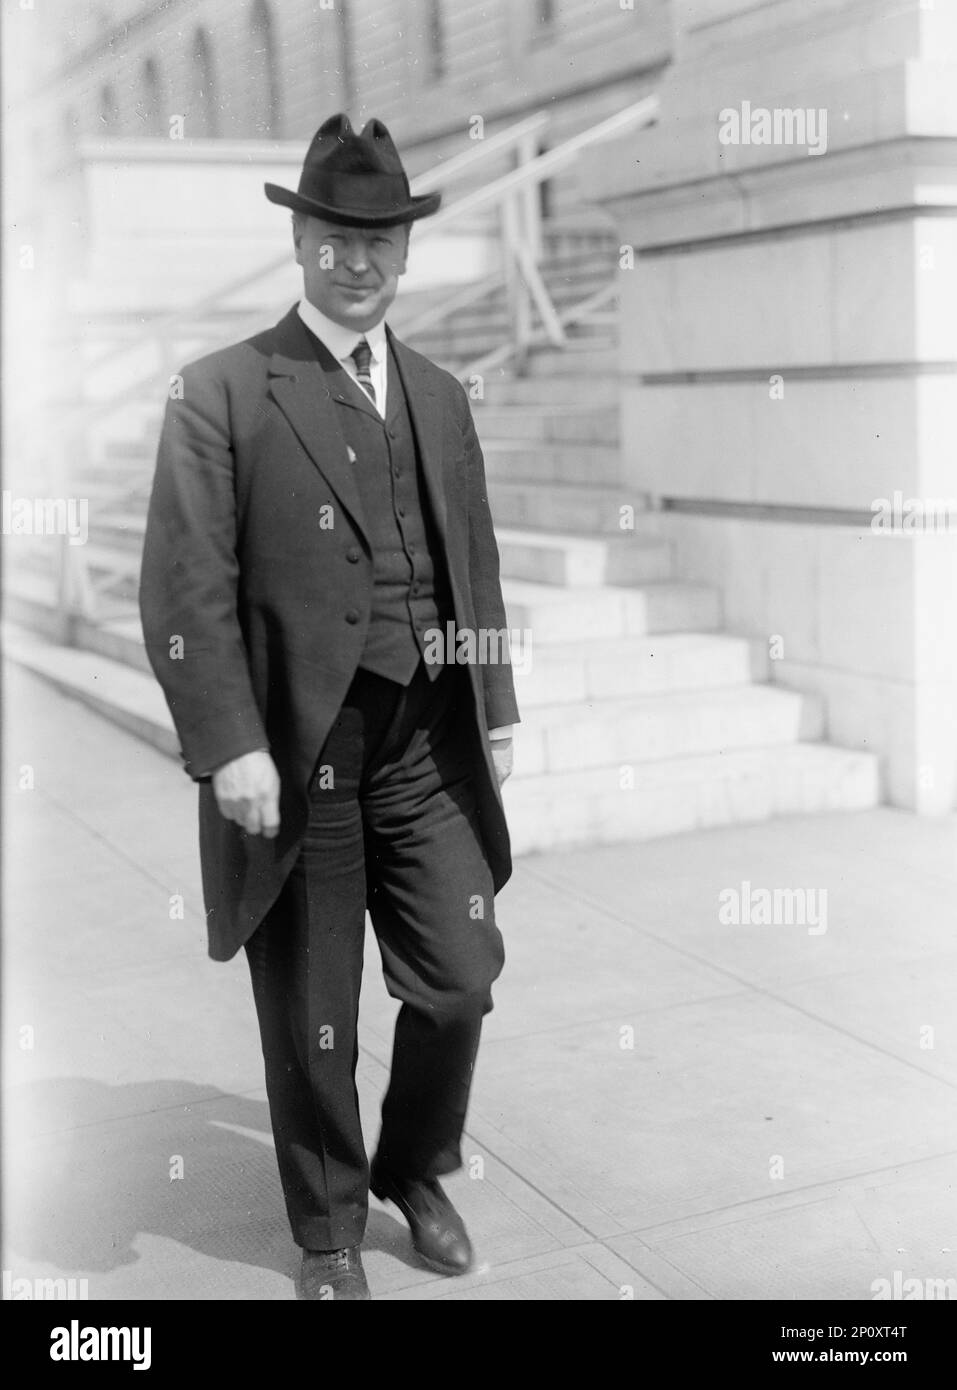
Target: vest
(411, 591)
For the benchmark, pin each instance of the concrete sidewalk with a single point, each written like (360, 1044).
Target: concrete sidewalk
(667, 1105)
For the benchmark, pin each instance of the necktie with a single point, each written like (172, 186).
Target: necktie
(362, 356)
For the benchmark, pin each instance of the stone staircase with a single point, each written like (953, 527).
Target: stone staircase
(640, 716)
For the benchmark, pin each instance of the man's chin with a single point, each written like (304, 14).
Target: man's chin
(359, 313)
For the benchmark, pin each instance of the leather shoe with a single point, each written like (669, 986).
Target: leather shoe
(438, 1232)
(333, 1276)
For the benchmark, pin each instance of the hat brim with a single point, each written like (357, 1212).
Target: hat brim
(422, 206)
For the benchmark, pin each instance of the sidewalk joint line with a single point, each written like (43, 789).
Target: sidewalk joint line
(757, 989)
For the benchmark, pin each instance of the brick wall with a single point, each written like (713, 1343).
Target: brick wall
(214, 67)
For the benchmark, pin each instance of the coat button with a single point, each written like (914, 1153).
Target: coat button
(352, 556)
(352, 616)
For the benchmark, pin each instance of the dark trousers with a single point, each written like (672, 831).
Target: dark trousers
(393, 827)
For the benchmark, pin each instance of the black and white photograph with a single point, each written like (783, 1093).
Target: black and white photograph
(479, 685)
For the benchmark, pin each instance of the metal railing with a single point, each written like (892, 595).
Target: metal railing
(514, 198)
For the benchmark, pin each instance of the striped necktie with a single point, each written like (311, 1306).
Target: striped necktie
(361, 355)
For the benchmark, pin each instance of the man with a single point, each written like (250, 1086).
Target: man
(318, 515)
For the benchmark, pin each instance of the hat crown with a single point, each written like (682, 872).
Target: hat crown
(337, 148)
(356, 179)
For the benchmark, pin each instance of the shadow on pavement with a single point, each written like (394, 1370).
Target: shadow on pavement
(95, 1166)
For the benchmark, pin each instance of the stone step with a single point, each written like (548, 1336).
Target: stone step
(112, 568)
(117, 633)
(545, 672)
(572, 737)
(548, 672)
(463, 348)
(120, 639)
(109, 498)
(531, 519)
(574, 277)
(582, 561)
(109, 559)
(571, 281)
(29, 601)
(108, 495)
(463, 344)
(554, 610)
(554, 424)
(567, 248)
(128, 467)
(568, 615)
(561, 506)
(604, 319)
(620, 667)
(552, 463)
(101, 481)
(503, 388)
(583, 361)
(125, 696)
(608, 803)
(140, 419)
(31, 552)
(567, 283)
(495, 322)
(680, 794)
(136, 452)
(581, 222)
(123, 531)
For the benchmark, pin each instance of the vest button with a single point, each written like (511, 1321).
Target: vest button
(392, 434)
(352, 616)
(412, 548)
(401, 511)
(397, 472)
(352, 556)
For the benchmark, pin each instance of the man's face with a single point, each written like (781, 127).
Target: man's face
(350, 274)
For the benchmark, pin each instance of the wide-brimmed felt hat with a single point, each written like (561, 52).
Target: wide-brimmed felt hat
(355, 180)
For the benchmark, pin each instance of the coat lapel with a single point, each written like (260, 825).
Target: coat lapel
(426, 414)
(303, 391)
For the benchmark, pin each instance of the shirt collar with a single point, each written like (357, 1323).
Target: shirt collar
(341, 341)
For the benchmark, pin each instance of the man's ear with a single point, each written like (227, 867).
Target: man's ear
(405, 249)
(297, 236)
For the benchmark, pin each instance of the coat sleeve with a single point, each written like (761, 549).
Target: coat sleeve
(189, 581)
(487, 601)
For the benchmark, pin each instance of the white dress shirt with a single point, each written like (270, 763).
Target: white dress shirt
(341, 343)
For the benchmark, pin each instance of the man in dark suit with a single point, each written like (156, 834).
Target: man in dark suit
(318, 521)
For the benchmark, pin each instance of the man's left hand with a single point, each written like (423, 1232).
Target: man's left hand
(502, 759)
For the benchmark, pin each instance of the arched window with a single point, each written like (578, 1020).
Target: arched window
(436, 36)
(346, 63)
(544, 28)
(203, 86)
(109, 115)
(150, 105)
(70, 128)
(266, 99)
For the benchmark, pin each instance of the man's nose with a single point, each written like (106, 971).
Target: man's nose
(357, 259)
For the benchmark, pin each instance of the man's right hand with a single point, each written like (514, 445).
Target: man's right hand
(247, 792)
